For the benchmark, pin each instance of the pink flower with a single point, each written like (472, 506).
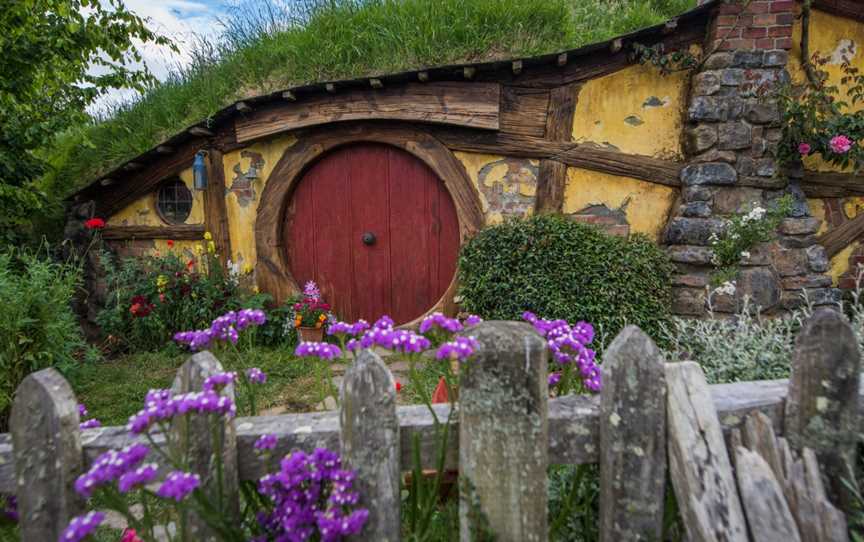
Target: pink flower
(804, 149)
(841, 144)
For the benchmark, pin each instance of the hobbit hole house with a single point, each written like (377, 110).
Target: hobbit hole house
(370, 186)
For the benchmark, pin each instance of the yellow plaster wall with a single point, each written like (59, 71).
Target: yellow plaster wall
(241, 218)
(646, 205)
(635, 110)
(510, 184)
(142, 212)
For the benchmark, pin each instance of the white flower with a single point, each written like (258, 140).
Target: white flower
(758, 213)
(727, 288)
(745, 255)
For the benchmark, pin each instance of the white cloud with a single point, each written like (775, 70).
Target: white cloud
(182, 21)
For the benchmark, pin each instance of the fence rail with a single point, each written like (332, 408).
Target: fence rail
(502, 405)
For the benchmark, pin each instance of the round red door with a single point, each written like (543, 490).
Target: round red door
(376, 229)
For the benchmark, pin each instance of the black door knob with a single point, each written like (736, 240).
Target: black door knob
(368, 238)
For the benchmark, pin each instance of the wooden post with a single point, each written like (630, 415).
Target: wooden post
(46, 445)
(369, 437)
(822, 405)
(632, 439)
(215, 209)
(200, 445)
(699, 465)
(503, 431)
(552, 176)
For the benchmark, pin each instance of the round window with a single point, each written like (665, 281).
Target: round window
(174, 202)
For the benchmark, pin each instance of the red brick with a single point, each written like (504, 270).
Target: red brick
(783, 6)
(846, 283)
(728, 20)
(783, 43)
(780, 31)
(728, 33)
(759, 7)
(729, 9)
(785, 18)
(754, 32)
(765, 43)
(764, 19)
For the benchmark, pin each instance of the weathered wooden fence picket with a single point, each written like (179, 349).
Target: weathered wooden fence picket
(507, 432)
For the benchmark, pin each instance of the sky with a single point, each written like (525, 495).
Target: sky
(179, 20)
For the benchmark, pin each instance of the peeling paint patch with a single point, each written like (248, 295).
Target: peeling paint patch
(242, 183)
(654, 101)
(508, 186)
(844, 52)
(633, 120)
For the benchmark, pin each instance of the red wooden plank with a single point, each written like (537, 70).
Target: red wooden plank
(369, 180)
(448, 240)
(410, 181)
(299, 233)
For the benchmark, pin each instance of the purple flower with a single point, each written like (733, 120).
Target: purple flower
(312, 495)
(138, 477)
(554, 379)
(437, 319)
(266, 442)
(345, 328)
(159, 406)
(219, 380)
(460, 348)
(224, 328)
(317, 350)
(10, 508)
(110, 466)
(82, 526)
(310, 290)
(472, 320)
(385, 322)
(568, 345)
(256, 375)
(404, 341)
(92, 423)
(82, 410)
(178, 485)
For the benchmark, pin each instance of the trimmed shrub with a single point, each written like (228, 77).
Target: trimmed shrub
(558, 268)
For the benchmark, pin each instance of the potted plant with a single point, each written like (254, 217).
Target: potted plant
(310, 314)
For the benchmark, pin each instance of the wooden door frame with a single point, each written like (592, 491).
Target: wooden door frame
(272, 269)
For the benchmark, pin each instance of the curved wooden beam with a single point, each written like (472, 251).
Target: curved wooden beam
(272, 272)
(837, 239)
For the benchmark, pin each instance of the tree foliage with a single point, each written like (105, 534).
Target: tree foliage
(56, 57)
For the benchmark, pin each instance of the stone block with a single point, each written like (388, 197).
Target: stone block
(775, 59)
(735, 200)
(767, 183)
(708, 108)
(762, 113)
(693, 231)
(705, 83)
(697, 193)
(711, 173)
(732, 77)
(797, 241)
(734, 136)
(817, 258)
(700, 138)
(718, 61)
(806, 281)
(688, 301)
(691, 280)
(761, 285)
(766, 167)
(747, 59)
(698, 255)
(794, 299)
(799, 226)
(714, 155)
(760, 254)
(789, 262)
(698, 209)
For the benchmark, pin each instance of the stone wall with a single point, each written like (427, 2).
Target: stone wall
(730, 139)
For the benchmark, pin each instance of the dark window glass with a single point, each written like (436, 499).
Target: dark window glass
(174, 202)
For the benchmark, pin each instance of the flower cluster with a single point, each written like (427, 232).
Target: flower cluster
(138, 477)
(140, 306)
(346, 328)
(92, 423)
(265, 442)
(460, 348)
(312, 495)
(218, 381)
(178, 485)
(160, 406)
(569, 346)
(840, 144)
(256, 375)
(82, 526)
(224, 328)
(109, 467)
(317, 350)
(311, 311)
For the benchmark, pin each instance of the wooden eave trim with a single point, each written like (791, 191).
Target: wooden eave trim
(851, 9)
(179, 232)
(825, 184)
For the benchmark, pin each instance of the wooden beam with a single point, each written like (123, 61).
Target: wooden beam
(836, 239)
(475, 105)
(851, 9)
(243, 107)
(824, 184)
(200, 131)
(164, 149)
(581, 155)
(552, 176)
(215, 211)
(179, 232)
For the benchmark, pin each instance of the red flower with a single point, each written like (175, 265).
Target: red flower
(170, 243)
(140, 307)
(190, 264)
(398, 386)
(440, 394)
(129, 535)
(94, 224)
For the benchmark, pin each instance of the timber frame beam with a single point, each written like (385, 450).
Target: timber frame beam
(179, 232)
(552, 177)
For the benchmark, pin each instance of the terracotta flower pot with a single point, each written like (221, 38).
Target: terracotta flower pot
(311, 334)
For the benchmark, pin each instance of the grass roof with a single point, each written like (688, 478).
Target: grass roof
(266, 47)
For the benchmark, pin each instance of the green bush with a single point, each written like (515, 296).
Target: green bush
(37, 324)
(558, 268)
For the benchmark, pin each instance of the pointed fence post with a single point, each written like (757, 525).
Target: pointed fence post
(632, 439)
(504, 435)
(46, 444)
(369, 436)
(699, 465)
(822, 405)
(202, 448)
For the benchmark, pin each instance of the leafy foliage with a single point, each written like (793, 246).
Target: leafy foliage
(558, 268)
(56, 57)
(37, 324)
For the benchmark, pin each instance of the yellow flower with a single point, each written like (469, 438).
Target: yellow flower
(161, 282)
(322, 318)
(211, 247)
(208, 236)
(199, 248)
(255, 289)
(247, 268)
